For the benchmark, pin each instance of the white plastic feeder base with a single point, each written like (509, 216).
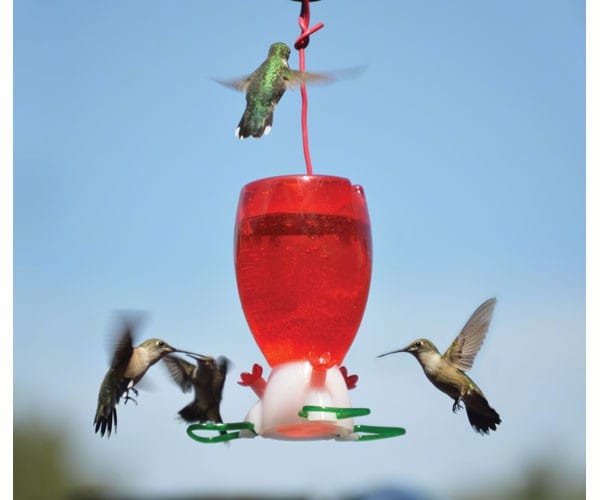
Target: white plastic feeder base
(292, 386)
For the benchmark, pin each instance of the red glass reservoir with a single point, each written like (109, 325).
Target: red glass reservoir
(303, 265)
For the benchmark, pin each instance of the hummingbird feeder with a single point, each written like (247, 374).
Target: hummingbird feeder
(303, 259)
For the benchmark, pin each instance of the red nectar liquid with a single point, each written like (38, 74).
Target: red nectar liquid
(303, 266)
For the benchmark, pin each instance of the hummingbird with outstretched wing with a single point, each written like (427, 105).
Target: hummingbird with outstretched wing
(127, 367)
(267, 84)
(447, 371)
(207, 378)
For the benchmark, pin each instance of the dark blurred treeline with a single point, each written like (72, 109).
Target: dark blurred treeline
(539, 481)
(41, 472)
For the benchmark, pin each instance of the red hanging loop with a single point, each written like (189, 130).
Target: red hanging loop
(300, 45)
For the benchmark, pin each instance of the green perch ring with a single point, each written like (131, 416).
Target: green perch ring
(246, 429)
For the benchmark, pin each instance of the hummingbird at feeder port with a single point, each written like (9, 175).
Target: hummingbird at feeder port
(128, 365)
(207, 378)
(265, 87)
(447, 371)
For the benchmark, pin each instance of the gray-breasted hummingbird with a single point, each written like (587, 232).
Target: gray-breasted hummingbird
(265, 87)
(447, 371)
(207, 378)
(128, 365)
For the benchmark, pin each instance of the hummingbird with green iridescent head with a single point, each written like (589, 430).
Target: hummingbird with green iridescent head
(207, 378)
(128, 365)
(447, 371)
(265, 87)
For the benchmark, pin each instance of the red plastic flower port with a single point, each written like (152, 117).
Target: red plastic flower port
(350, 380)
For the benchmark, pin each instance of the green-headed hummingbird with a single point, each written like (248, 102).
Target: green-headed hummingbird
(265, 87)
(447, 371)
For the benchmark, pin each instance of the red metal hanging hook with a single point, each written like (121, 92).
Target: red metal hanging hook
(300, 45)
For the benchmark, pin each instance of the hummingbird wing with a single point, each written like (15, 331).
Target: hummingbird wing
(294, 79)
(297, 78)
(115, 384)
(466, 345)
(240, 84)
(219, 375)
(123, 348)
(181, 371)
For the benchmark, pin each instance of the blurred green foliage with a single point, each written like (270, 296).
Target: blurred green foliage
(38, 463)
(41, 472)
(541, 480)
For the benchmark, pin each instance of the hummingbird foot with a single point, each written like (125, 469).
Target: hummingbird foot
(127, 397)
(456, 406)
(130, 388)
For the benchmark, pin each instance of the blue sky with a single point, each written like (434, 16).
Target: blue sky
(467, 132)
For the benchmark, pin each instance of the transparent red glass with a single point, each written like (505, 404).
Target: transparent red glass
(303, 259)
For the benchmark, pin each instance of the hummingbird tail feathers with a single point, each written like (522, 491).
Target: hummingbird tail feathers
(191, 413)
(194, 413)
(482, 416)
(255, 126)
(105, 419)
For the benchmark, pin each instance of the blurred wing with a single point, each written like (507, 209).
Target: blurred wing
(123, 347)
(220, 374)
(181, 371)
(466, 345)
(297, 78)
(240, 84)
(209, 396)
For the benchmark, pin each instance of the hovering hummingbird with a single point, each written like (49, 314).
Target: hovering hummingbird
(129, 364)
(447, 371)
(265, 87)
(207, 377)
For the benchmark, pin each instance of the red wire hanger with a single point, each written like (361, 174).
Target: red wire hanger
(300, 45)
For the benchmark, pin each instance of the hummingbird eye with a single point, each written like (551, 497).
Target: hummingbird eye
(418, 343)
(160, 343)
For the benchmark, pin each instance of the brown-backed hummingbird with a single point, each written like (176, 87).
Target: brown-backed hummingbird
(128, 365)
(447, 371)
(207, 378)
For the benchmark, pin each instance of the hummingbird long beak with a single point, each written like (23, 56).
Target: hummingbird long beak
(194, 355)
(405, 349)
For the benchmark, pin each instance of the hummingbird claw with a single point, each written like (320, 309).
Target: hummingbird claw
(126, 397)
(456, 406)
(129, 398)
